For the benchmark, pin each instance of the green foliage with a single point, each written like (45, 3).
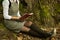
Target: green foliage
(1, 2)
(42, 9)
(1, 6)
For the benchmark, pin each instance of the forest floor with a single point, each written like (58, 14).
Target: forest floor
(5, 34)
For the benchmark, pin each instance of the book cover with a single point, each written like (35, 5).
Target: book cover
(25, 16)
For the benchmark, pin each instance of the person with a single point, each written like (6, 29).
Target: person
(11, 17)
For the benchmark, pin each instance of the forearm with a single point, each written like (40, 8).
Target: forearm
(15, 18)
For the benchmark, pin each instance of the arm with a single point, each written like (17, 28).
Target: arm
(5, 11)
(18, 14)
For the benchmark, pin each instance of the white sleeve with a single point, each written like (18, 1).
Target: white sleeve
(18, 14)
(5, 5)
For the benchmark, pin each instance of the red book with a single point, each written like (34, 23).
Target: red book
(25, 16)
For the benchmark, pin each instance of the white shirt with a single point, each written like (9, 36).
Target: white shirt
(5, 5)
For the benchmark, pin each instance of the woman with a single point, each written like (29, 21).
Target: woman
(11, 14)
